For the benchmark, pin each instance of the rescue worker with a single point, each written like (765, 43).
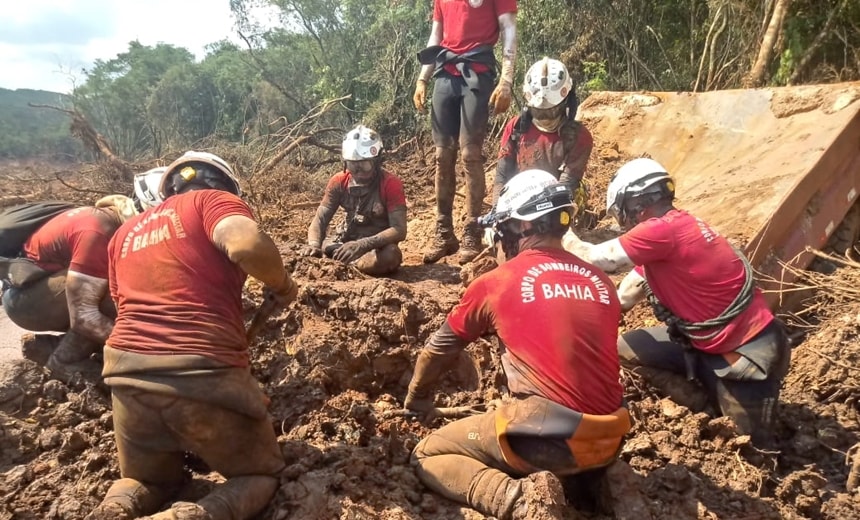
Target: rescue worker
(375, 206)
(146, 185)
(177, 360)
(65, 287)
(546, 136)
(556, 318)
(459, 55)
(718, 327)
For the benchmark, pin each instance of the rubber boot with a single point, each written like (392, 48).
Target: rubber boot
(539, 496)
(752, 405)
(444, 243)
(72, 356)
(128, 498)
(476, 187)
(676, 387)
(39, 347)
(238, 498)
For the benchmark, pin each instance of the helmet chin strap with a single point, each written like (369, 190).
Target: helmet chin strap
(548, 125)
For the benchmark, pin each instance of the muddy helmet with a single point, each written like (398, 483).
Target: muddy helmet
(634, 186)
(361, 143)
(200, 170)
(147, 188)
(547, 84)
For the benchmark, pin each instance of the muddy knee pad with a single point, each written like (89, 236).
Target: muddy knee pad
(446, 180)
(752, 405)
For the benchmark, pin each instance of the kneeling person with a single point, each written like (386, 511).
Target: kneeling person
(375, 207)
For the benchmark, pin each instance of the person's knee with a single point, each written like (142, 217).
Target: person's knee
(446, 155)
(472, 153)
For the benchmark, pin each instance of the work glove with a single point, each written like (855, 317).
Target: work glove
(310, 250)
(351, 251)
(283, 295)
(421, 406)
(420, 95)
(500, 99)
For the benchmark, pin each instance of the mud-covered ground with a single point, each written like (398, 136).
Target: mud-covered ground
(336, 364)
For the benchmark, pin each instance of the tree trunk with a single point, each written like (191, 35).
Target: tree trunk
(765, 53)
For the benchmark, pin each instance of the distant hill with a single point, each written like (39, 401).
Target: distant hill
(27, 132)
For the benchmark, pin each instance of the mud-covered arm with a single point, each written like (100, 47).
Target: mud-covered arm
(84, 293)
(241, 239)
(435, 38)
(396, 232)
(576, 159)
(435, 359)
(505, 170)
(607, 256)
(631, 290)
(319, 224)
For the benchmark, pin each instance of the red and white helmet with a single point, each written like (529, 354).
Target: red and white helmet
(547, 84)
(146, 188)
(361, 143)
(634, 181)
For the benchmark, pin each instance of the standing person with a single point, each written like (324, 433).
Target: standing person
(459, 55)
(63, 287)
(375, 206)
(719, 329)
(546, 135)
(556, 318)
(177, 360)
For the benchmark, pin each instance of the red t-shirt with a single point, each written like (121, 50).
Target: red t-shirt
(468, 24)
(557, 316)
(569, 147)
(76, 240)
(176, 292)
(696, 274)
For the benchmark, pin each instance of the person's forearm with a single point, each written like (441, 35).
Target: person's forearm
(607, 256)
(319, 225)
(508, 29)
(631, 290)
(250, 248)
(84, 294)
(435, 38)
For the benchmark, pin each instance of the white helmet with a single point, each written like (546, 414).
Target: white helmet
(531, 194)
(547, 84)
(636, 178)
(361, 143)
(202, 169)
(146, 188)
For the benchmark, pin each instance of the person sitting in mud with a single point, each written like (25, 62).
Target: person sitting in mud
(177, 360)
(557, 319)
(61, 285)
(375, 207)
(546, 136)
(718, 327)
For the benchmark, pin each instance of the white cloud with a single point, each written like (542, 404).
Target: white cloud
(44, 44)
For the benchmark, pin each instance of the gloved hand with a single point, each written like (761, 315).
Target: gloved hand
(351, 251)
(420, 95)
(283, 295)
(500, 99)
(310, 250)
(422, 406)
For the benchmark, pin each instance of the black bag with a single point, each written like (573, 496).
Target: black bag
(18, 223)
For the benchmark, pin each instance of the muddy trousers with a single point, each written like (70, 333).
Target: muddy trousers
(152, 433)
(746, 390)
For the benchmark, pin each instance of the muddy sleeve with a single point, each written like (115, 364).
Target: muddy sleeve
(576, 159)
(436, 358)
(390, 235)
(325, 212)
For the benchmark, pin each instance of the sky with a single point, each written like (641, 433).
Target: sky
(44, 44)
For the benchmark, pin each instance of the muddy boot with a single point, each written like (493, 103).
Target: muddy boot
(541, 498)
(752, 405)
(444, 243)
(72, 358)
(676, 387)
(476, 190)
(181, 511)
(39, 347)
(471, 246)
(127, 499)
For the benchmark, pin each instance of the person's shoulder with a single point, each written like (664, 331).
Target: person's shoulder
(391, 178)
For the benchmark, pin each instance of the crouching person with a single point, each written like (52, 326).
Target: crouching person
(177, 360)
(556, 317)
(375, 206)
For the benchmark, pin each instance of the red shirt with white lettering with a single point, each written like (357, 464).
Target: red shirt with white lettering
(469, 24)
(696, 274)
(176, 292)
(557, 317)
(76, 240)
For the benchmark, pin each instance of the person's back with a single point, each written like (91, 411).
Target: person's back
(558, 319)
(76, 240)
(176, 292)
